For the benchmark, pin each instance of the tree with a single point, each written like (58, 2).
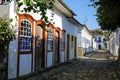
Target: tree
(36, 6)
(106, 34)
(99, 31)
(107, 14)
(6, 35)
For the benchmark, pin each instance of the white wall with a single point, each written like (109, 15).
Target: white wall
(71, 29)
(113, 43)
(4, 11)
(86, 40)
(13, 46)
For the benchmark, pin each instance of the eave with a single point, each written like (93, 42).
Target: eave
(62, 7)
(74, 21)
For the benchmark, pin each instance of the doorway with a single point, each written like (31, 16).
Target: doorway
(75, 55)
(25, 47)
(56, 59)
(99, 46)
(38, 49)
(68, 47)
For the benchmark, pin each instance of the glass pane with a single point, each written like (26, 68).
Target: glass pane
(25, 40)
(50, 44)
(49, 39)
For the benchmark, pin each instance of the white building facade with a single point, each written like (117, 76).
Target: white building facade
(35, 48)
(86, 40)
(113, 42)
(98, 42)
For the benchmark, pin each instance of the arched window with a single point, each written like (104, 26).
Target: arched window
(25, 36)
(50, 39)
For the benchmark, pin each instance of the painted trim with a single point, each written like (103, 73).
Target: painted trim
(44, 46)
(34, 41)
(68, 47)
(38, 23)
(45, 43)
(31, 20)
(75, 47)
(57, 29)
(64, 45)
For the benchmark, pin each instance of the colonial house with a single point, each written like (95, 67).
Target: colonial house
(86, 39)
(113, 42)
(35, 48)
(94, 44)
(98, 40)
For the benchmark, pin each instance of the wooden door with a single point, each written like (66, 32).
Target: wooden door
(68, 47)
(38, 49)
(75, 55)
(56, 47)
(25, 50)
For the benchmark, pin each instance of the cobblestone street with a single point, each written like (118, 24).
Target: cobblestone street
(98, 65)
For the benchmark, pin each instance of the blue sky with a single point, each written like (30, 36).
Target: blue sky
(85, 14)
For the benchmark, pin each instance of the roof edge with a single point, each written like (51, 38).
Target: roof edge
(60, 1)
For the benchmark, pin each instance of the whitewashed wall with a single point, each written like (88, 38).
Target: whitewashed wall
(108, 46)
(113, 43)
(4, 11)
(60, 21)
(13, 46)
(95, 45)
(86, 41)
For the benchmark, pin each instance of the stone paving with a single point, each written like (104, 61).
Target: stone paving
(98, 65)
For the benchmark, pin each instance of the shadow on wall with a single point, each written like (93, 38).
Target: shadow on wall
(3, 67)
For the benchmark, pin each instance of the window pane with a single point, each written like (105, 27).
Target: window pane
(49, 39)
(25, 36)
(50, 44)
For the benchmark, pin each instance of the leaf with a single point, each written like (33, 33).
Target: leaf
(20, 4)
(10, 20)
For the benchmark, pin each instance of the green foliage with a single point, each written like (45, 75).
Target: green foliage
(37, 6)
(6, 34)
(106, 34)
(108, 13)
(99, 31)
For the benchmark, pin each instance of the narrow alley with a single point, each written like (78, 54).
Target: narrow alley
(97, 65)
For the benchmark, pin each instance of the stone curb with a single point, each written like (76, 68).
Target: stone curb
(41, 71)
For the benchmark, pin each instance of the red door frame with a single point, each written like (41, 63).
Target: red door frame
(57, 29)
(30, 19)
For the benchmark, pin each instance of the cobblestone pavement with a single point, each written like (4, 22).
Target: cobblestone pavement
(99, 66)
